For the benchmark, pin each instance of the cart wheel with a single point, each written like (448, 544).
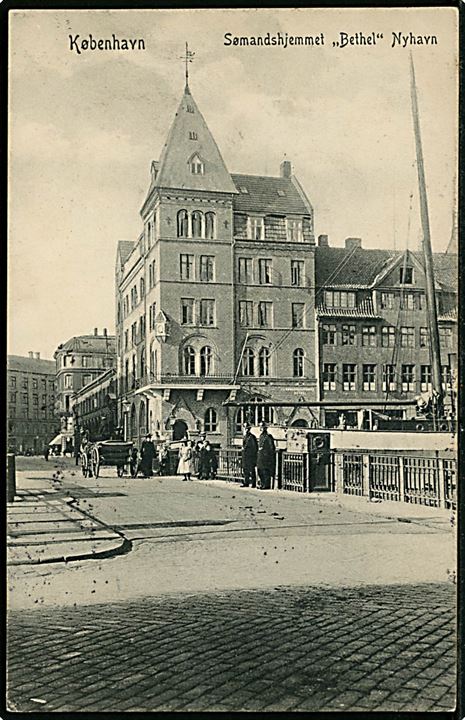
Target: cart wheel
(95, 462)
(120, 470)
(84, 465)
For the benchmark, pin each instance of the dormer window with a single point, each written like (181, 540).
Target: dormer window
(192, 135)
(196, 165)
(243, 190)
(406, 275)
(190, 109)
(256, 228)
(281, 193)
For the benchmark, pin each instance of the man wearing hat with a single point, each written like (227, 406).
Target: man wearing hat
(199, 446)
(249, 457)
(266, 457)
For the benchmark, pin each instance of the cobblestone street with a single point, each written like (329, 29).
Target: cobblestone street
(373, 648)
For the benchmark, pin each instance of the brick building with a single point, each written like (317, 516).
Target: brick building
(215, 298)
(373, 337)
(31, 403)
(94, 407)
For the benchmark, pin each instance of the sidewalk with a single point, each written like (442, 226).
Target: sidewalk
(43, 526)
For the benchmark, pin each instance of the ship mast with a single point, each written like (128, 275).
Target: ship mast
(428, 255)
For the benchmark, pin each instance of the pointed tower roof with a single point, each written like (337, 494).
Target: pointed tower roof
(189, 139)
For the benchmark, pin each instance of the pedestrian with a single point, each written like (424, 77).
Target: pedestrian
(147, 453)
(249, 457)
(162, 460)
(46, 452)
(199, 446)
(208, 464)
(266, 457)
(134, 461)
(185, 459)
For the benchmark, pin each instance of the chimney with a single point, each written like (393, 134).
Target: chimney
(95, 331)
(323, 241)
(105, 332)
(352, 243)
(31, 354)
(37, 355)
(286, 169)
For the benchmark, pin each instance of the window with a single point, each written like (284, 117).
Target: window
(25, 383)
(126, 339)
(329, 376)
(245, 270)
(389, 378)
(248, 362)
(246, 313)
(35, 400)
(189, 360)
(133, 334)
(369, 336)
(424, 337)
(207, 268)
(186, 266)
(294, 230)
(141, 327)
(190, 109)
(207, 312)
(187, 311)
(425, 378)
(25, 398)
(407, 337)
(406, 275)
(243, 190)
(388, 336)
(86, 361)
(348, 376)
(68, 381)
(86, 379)
(264, 362)
(369, 377)
(206, 360)
(142, 288)
(183, 223)
(35, 383)
(297, 273)
(153, 308)
(264, 314)
(264, 271)
(339, 298)
(192, 135)
(210, 423)
(210, 225)
(329, 335)
(196, 165)
(196, 224)
(348, 335)
(298, 362)
(387, 300)
(254, 415)
(298, 314)
(256, 228)
(13, 381)
(408, 378)
(12, 397)
(445, 337)
(446, 377)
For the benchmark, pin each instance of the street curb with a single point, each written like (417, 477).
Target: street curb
(123, 549)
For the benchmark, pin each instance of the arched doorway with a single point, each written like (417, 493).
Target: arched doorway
(179, 430)
(300, 423)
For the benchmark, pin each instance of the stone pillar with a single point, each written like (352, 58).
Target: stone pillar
(11, 476)
(366, 476)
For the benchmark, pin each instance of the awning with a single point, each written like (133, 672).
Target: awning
(56, 440)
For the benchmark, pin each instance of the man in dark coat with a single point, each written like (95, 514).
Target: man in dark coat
(147, 452)
(266, 457)
(249, 457)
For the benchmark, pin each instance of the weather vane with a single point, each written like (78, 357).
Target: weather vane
(188, 57)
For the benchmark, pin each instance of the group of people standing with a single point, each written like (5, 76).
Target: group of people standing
(258, 456)
(199, 459)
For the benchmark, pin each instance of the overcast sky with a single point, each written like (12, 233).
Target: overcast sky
(84, 129)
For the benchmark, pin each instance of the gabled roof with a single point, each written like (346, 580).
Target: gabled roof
(267, 194)
(189, 136)
(89, 344)
(125, 248)
(359, 268)
(19, 363)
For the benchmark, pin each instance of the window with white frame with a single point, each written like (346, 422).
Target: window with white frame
(328, 334)
(248, 361)
(245, 270)
(408, 378)
(210, 227)
(369, 336)
(294, 230)
(388, 336)
(424, 337)
(298, 362)
(340, 299)
(206, 361)
(369, 377)
(329, 376)
(389, 377)
(189, 360)
(298, 315)
(186, 266)
(207, 312)
(197, 167)
(210, 423)
(297, 273)
(207, 268)
(349, 371)
(425, 378)
(256, 228)
(348, 335)
(265, 313)
(68, 382)
(196, 224)
(407, 337)
(264, 357)
(387, 300)
(264, 271)
(246, 313)
(187, 311)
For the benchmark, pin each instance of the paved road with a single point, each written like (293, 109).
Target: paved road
(301, 649)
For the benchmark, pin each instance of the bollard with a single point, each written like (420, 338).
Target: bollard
(10, 477)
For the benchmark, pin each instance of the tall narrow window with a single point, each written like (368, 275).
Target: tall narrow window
(206, 360)
(248, 362)
(210, 420)
(142, 287)
(369, 336)
(298, 362)
(256, 228)
(68, 382)
(246, 313)
(297, 273)
(294, 230)
(389, 378)
(196, 224)
(186, 266)
(187, 311)
(207, 268)
(196, 165)
(388, 336)
(408, 378)
(407, 337)
(245, 270)
(369, 377)
(348, 335)
(349, 376)
(207, 312)
(183, 223)
(189, 360)
(264, 362)
(265, 314)
(387, 300)
(210, 225)
(406, 275)
(329, 376)
(298, 315)
(425, 378)
(328, 335)
(264, 271)
(424, 337)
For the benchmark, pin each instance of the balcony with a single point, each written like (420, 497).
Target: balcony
(175, 381)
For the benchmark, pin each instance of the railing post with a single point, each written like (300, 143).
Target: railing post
(401, 478)
(366, 476)
(338, 472)
(10, 477)
(441, 483)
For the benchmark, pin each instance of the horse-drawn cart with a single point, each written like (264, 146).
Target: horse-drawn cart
(106, 453)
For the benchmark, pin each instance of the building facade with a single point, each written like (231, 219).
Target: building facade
(215, 299)
(94, 408)
(31, 403)
(373, 336)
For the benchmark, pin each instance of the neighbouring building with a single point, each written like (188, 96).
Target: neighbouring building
(94, 408)
(31, 403)
(373, 337)
(215, 299)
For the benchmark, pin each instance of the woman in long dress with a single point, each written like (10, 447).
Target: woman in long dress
(185, 460)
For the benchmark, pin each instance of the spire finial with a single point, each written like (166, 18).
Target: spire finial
(188, 57)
